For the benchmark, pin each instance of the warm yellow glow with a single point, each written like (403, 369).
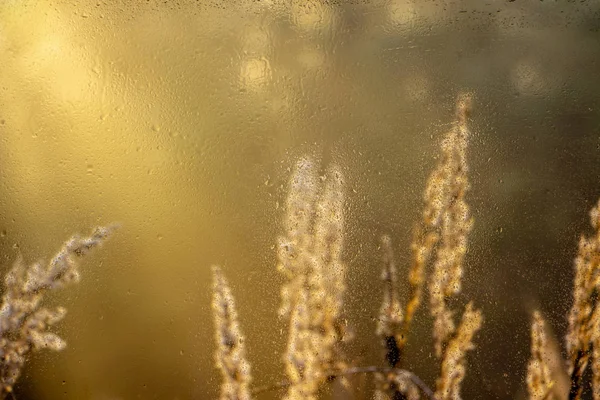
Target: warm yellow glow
(312, 15)
(311, 58)
(255, 73)
(256, 40)
(401, 12)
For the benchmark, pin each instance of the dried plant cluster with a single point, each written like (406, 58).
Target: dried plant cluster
(24, 321)
(309, 254)
(583, 336)
(312, 297)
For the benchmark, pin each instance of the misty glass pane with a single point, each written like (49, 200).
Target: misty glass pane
(297, 144)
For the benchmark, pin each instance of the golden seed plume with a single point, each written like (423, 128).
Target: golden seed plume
(454, 361)
(447, 213)
(310, 257)
(422, 246)
(447, 223)
(539, 377)
(230, 355)
(584, 316)
(441, 235)
(24, 323)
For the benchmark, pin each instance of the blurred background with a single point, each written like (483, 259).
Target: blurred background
(181, 120)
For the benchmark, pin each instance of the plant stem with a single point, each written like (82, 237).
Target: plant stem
(429, 394)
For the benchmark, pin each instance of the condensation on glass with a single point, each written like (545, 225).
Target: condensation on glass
(184, 122)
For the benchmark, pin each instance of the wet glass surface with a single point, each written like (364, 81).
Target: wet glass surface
(184, 121)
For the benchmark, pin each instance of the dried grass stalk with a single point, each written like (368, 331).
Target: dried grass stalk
(454, 363)
(584, 316)
(447, 216)
(448, 213)
(545, 378)
(424, 241)
(539, 377)
(442, 233)
(24, 322)
(230, 355)
(293, 248)
(390, 314)
(310, 259)
(389, 329)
